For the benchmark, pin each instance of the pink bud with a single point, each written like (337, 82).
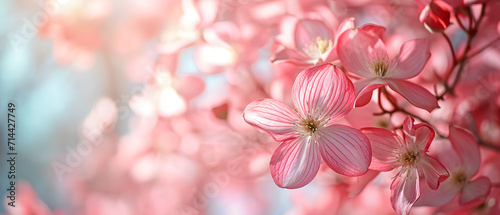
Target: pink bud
(436, 16)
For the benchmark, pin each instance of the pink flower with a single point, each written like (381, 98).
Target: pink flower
(462, 158)
(307, 42)
(363, 53)
(321, 95)
(409, 155)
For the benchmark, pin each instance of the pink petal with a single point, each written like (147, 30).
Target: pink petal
(345, 150)
(291, 56)
(408, 125)
(415, 94)
(447, 155)
(424, 134)
(476, 190)
(465, 144)
(344, 26)
(271, 117)
(323, 91)
(383, 143)
(190, 86)
(364, 88)
(405, 191)
(436, 16)
(295, 163)
(444, 194)
(433, 171)
(308, 30)
(412, 58)
(362, 181)
(420, 134)
(355, 48)
(376, 30)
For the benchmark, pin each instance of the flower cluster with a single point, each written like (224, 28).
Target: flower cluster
(352, 106)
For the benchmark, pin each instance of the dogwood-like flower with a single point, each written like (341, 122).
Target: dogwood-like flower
(321, 95)
(311, 42)
(363, 53)
(462, 158)
(409, 155)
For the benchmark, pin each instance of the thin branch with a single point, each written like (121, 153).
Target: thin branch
(488, 45)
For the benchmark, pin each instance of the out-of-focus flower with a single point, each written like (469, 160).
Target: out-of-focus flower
(363, 53)
(321, 95)
(77, 30)
(306, 42)
(462, 160)
(167, 96)
(409, 156)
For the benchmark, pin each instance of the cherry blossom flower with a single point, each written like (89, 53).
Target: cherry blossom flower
(321, 95)
(363, 53)
(409, 156)
(462, 158)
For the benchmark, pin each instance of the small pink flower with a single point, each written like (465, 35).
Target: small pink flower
(409, 155)
(321, 95)
(462, 158)
(363, 53)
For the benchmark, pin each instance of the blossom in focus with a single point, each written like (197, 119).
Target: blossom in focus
(363, 53)
(321, 95)
(462, 160)
(409, 156)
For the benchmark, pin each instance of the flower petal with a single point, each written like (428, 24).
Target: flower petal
(412, 58)
(436, 16)
(465, 144)
(271, 117)
(291, 56)
(415, 94)
(307, 31)
(475, 190)
(324, 92)
(295, 163)
(383, 143)
(405, 190)
(376, 30)
(444, 194)
(344, 26)
(364, 88)
(424, 134)
(345, 150)
(433, 171)
(355, 49)
(420, 134)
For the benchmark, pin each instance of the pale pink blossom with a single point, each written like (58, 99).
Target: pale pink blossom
(409, 156)
(307, 41)
(363, 52)
(321, 95)
(462, 158)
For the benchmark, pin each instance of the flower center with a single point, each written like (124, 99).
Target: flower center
(409, 158)
(315, 49)
(380, 68)
(309, 127)
(459, 178)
